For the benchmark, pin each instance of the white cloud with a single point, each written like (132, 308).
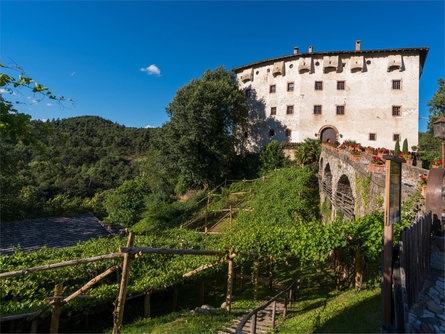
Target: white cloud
(149, 127)
(152, 70)
(44, 120)
(28, 97)
(34, 101)
(3, 91)
(49, 104)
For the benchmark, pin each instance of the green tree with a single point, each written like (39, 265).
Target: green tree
(271, 156)
(207, 117)
(308, 152)
(437, 104)
(405, 145)
(397, 148)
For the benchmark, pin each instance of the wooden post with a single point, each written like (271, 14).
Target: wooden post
(34, 326)
(253, 324)
(290, 298)
(274, 313)
(147, 309)
(175, 299)
(270, 272)
(57, 308)
(207, 213)
(230, 216)
(229, 285)
(358, 268)
(285, 306)
(257, 270)
(201, 293)
(120, 304)
(241, 277)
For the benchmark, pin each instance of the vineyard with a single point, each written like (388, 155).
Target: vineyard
(270, 222)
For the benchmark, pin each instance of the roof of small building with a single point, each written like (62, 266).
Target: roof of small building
(423, 53)
(54, 232)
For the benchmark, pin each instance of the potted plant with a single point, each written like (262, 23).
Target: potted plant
(376, 165)
(423, 181)
(382, 151)
(437, 163)
(369, 150)
(354, 154)
(407, 156)
(342, 148)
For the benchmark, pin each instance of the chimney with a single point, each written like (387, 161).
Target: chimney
(296, 50)
(357, 45)
(310, 49)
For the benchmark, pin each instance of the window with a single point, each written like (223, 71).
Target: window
(288, 132)
(272, 89)
(340, 85)
(318, 85)
(290, 110)
(317, 110)
(271, 132)
(396, 137)
(396, 111)
(372, 136)
(273, 110)
(340, 110)
(290, 86)
(396, 84)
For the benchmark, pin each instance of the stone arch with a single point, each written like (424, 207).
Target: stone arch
(344, 198)
(327, 181)
(328, 133)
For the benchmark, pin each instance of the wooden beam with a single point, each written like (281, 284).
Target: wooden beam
(229, 286)
(60, 264)
(91, 283)
(147, 308)
(57, 309)
(169, 251)
(204, 267)
(120, 304)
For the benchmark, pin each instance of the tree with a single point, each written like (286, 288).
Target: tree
(271, 156)
(405, 146)
(397, 148)
(437, 104)
(206, 119)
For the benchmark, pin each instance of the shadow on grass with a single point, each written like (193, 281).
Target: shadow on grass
(362, 317)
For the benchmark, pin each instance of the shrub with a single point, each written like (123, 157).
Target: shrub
(397, 148)
(405, 145)
(271, 156)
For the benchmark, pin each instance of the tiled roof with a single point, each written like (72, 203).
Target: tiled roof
(56, 232)
(423, 53)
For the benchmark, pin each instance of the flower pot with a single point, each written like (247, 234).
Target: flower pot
(423, 191)
(381, 154)
(436, 166)
(374, 168)
(354, 157)
(369, 151)
(341, 150)
(409, 162)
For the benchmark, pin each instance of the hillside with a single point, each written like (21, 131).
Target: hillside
(78, 158)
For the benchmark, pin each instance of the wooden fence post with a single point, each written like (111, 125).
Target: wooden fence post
(274, 313)
(201, 293)
(175, 299)
(120, 304)
(270, 272)
(285, 306)
(207, 213)
(290, 297)
(57, 308)
(253, 324)
(229, 285)
(34, 326)
(230, 216)
(358, 268)
(147, 310)
(256, 270)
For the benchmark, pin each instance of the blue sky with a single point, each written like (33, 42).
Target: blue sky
(93, 52)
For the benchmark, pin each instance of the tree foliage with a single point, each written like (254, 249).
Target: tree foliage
(271, 156)
(437, 104)
(206, 118)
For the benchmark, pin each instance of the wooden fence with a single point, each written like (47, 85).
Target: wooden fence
(410, 267)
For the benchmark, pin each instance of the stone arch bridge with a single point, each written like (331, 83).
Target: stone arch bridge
(348, 188)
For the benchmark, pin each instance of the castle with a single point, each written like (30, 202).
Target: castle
(370, 96)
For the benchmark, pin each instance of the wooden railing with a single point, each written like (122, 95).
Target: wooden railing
(288, 297)
(410, 267)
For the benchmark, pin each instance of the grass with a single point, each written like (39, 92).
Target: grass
(319, 308)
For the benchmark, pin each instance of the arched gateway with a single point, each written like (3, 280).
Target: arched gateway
(328, 133)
